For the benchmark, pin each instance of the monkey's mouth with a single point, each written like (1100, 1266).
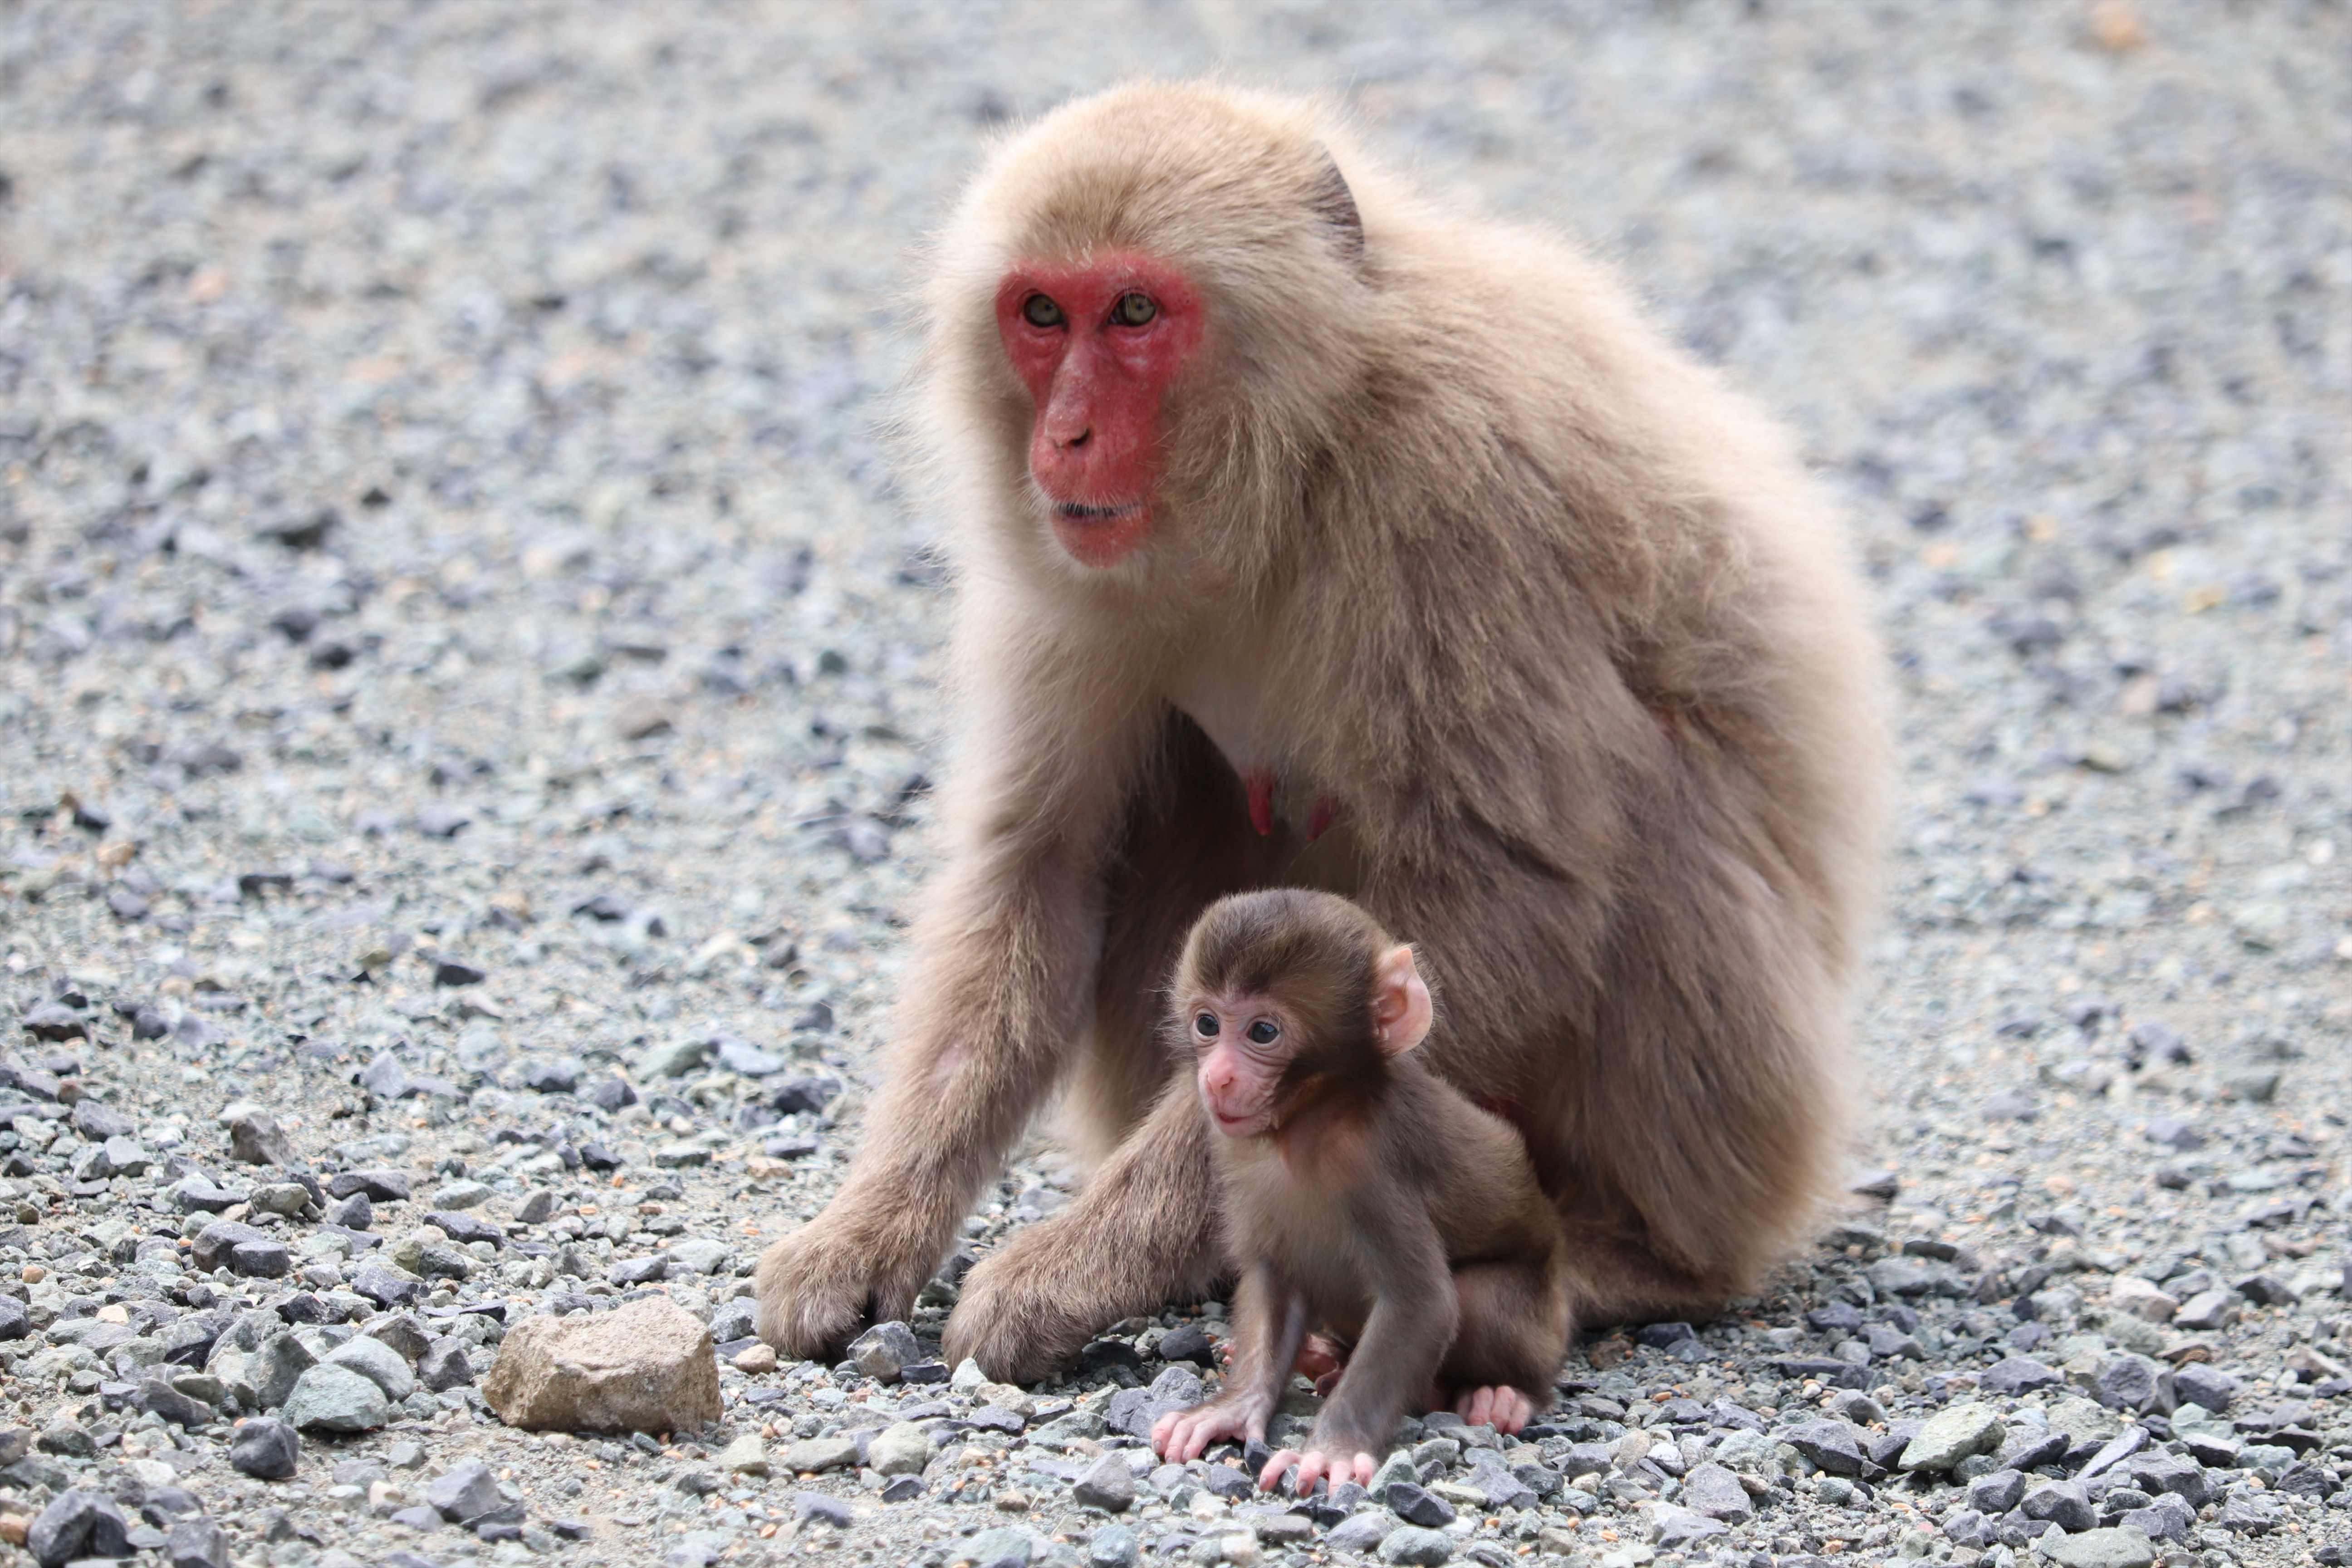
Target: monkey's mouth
(1087, 512)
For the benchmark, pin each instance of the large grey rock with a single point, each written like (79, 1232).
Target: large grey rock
(256, 1139)
(1108, 1485)
(266, 1448)
(378, 1362)
(77, 1524)
(883, 1349)
(1835, 1445)
(196, 1542)
(1411, 1543)
(273, 1369)
(331, 1398)
(1133, 1410)
(1675, 1529)
(1955, 1433)
(2062, 1503)
(1715, 1491)
(465, 1491)
(2121, 1547)
(646, 1366)
(901, 1449)
(2016, 1375)
(815, 1455)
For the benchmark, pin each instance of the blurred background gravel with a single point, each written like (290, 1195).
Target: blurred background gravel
(448, 536)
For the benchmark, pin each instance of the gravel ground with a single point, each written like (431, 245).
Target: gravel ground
(466, 682)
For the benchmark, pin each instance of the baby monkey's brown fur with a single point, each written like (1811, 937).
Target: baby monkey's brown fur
(1361, 1195)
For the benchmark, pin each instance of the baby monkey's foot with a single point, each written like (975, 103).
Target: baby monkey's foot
(1314, 1464)
(1182, 1436)
(1321, 1359)
(1501, 1407)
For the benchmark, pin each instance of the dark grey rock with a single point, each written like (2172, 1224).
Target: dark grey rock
(1834, 1446)
(2016, 1375)
(2199, 1383)
(196, 1542)
(2062, 1503)
(1415, 1504)
(77, 1523)
(379, 1185)
(266, 1448)
(466, 1491)
(1107, 1484)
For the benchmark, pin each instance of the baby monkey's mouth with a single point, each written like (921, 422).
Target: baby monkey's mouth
(1085, 512)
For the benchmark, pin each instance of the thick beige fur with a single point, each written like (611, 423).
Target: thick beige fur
(1464, 542)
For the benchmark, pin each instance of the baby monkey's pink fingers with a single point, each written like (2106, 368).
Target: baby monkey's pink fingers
(1270, 1477)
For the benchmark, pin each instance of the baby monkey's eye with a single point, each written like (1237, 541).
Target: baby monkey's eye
(1206, 1024)
(1265, 1031)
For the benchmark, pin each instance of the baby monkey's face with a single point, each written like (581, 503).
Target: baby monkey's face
(1241, 1045)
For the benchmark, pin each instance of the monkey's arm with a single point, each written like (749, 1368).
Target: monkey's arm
(1005, 949)
(1396, 1358)
(1270, 1321)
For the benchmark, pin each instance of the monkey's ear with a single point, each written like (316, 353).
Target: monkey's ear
(1335, 203)
(1400, 1009)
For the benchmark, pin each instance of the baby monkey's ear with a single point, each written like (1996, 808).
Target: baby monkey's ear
(1400, 1007)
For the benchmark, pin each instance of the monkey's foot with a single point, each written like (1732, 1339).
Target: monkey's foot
(1024, 1310)
(1182, 1436)
(1501, 1407)
(819, 1285)
(1314, 1464)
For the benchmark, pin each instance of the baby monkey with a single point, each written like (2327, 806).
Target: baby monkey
(1364, 1197)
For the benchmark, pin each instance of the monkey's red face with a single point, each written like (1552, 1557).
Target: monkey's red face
(1243, 1050)
(1097, 344)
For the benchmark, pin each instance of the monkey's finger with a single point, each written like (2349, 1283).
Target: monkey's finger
(1271, 1472)
(1366, 1467)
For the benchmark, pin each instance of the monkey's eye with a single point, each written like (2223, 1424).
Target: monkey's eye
(1265, 1031)
(1133, 309)
(1206, 1025)
(1040, 312)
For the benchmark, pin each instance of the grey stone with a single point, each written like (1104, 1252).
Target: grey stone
(1997, 1493)
(2016, 1375)
(1107, 1484)
(2062, 1503)
(1834, 1446)
(1411, 1544)
(281, 1359)
(1675, 1529)
(196, 1542)
(465, 1491)
(2200, 1383)
(331, 1398)
(646, 1366)
(817, 1454)
(1715, 1491)
(881, 1351)
(2127, 1382)
(1360, 1533)
(1955, 1433)
(2122, 1547)
(77, 1523)
(266, 1448)
(1416, 1504)
(256, 1139)
(901, 1449)
(1133, 1410)
(1113, 1546)
(443, 1366)
(1002, 1547)
(378, 1362)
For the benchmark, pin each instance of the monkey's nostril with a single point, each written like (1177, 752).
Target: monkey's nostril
(1080, 439)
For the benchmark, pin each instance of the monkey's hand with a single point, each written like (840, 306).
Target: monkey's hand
(1505, 1408)
(1182, 1436)
(1343, 1463)
(856, 1262)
